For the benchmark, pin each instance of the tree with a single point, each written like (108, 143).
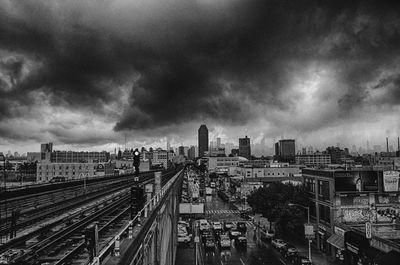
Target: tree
(272, 202)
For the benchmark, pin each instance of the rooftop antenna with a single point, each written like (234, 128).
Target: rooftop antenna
(387, 145)
(125, 141)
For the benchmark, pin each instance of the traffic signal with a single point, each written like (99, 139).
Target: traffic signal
(136, 160)
(137, 200)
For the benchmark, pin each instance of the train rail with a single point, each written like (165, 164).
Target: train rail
(63, 240)
(58, 202)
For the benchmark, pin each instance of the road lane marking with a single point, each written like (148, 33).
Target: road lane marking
(242, 261)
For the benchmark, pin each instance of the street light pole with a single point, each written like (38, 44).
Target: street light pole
(308, 220)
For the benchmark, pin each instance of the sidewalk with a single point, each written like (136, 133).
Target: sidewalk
(318, 258)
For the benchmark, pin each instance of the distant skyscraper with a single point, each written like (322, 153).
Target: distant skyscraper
(181, 150)
(285, 150)
(244, 147)
(218, 142)
(203, 140)
(192, 152)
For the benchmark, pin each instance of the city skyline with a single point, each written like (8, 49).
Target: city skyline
(153, 71)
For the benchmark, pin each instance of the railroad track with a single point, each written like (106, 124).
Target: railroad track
(63, 240)
(62, 245)
(30, 216)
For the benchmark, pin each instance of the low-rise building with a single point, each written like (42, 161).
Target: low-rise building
(343, 201)
(255, 172)
(222, 164)
(312, 160)
(47, 171)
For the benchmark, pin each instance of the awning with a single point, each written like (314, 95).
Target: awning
(336, 241)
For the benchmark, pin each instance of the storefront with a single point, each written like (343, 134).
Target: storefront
(337, 242)
(358, 250)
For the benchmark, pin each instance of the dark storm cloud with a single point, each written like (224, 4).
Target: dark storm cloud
(189, 60)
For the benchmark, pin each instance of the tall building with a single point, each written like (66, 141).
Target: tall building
(45, 151)
(203, 140)
(285, 150)
(192, 152)
(218, 142)
(244, 147)
(181, 150)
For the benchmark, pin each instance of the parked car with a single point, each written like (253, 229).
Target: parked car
(224, 241)
(241, 227)
(278, 243)
(228, 225)
(301, 260)
(241, 242)
(269, 234)
(289, 250)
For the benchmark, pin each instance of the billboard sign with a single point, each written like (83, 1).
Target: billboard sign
(100, 168)
(309, 231)
(390, 181)
(356, 181)
(368, 230)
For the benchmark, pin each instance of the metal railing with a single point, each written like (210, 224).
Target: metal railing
(144, 212)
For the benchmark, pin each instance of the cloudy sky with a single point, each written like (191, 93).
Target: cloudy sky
(85, 74)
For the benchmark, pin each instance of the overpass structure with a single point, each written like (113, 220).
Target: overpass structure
(150, 237)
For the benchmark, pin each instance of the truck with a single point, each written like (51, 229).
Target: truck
(208, 191)
(212, 184)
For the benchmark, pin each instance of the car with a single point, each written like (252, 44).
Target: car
(269, 234)
(209, 243)
(203, 224)
(217, 226)
(182, 230)
(234, 233)
(301, 260)
(224, 241)
(241, 242)
(204, 234)
(278, 243)
(228, 225)
(241, 227)
(184, 238)
(184, 223)
(288, 250)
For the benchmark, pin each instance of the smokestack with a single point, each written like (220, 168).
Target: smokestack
(398, 144)
(387, 145)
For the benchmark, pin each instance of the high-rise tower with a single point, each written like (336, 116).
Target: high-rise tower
(203, 140)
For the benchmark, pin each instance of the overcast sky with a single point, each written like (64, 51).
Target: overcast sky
(83, 74)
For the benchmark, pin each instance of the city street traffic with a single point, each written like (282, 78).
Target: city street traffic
(253, 253)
